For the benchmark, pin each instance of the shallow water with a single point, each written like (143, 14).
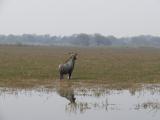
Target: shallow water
(65, 102)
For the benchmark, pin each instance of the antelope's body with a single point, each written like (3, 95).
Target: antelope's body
(67, 67)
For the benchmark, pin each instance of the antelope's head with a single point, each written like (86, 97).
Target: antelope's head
(73, 56)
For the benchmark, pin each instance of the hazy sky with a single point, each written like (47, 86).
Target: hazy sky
(65, 17)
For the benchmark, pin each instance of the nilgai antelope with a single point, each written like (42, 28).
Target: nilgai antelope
(68, 66)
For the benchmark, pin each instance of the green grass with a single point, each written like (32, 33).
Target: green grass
(139, 65)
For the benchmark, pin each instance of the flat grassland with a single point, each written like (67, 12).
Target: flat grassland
(40, 63)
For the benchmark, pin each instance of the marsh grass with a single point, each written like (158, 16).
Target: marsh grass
(114, 65)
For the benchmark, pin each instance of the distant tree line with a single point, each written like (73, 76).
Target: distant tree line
(83, 40)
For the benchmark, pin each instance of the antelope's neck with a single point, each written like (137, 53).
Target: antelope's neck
(72, 62)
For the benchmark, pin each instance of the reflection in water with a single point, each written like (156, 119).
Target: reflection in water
(148, 105)
(93, 101)
(82, 107)
(69, 92)
(66, 92)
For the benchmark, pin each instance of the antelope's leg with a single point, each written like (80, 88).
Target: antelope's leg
(61, 76)
(69, 75)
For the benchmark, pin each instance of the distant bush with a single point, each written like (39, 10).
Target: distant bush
(82, 39)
